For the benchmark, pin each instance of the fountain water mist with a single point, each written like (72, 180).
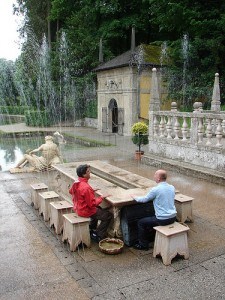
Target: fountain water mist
(176, 74)
(185, 55)
(67, 85)
(163, 63)
(164, 54)
(45, 86)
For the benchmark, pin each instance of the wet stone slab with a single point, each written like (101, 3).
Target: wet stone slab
(132, 274)
(66, 289)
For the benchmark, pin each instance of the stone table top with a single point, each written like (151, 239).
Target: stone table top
(107, 178)
(111, 180)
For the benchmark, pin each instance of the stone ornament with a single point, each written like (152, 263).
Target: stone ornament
(50, 156)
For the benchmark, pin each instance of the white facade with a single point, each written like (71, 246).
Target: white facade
(117, 99)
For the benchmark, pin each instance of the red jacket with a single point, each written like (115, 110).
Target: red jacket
(84, 200)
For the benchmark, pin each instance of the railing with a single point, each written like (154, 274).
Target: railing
(9, 119)
(201, 127)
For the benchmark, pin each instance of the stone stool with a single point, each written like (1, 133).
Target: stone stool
(171, 240)
(45, 199)
(76, 230)
(36, 189)
(184, 208)
(57, 210)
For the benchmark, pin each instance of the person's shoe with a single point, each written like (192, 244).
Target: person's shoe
(140, 247)
(95, 237)
(92, 231)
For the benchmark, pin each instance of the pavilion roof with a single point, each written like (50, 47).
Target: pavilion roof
(143, 55)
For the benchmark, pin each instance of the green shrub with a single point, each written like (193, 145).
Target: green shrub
(140, 136)
(14, 110)
(37, 118)
(91, 109)
(139, 128)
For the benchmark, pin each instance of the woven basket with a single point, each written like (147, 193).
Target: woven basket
(111, 246)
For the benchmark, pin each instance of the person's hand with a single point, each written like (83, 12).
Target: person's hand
(105, 196)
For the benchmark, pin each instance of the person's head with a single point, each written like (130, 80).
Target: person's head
(83, 171)
(48, 138)
(160, 175)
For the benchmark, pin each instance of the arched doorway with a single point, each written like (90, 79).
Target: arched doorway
(113, 115)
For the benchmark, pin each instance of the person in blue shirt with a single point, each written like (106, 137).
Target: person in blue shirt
(162, 196)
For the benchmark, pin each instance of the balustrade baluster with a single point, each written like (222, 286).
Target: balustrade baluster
(169, 128)
(165, 122)
(200, 130)
(184, 129)
(209, 132)
(214, 125)
(156, 126)
(219, 133)
(162, 126)
(223, 126)
(176, 128)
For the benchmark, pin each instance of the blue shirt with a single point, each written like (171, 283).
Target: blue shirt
(163, 200)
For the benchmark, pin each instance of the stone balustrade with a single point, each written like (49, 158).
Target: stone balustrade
(205, 128)
(196, 137)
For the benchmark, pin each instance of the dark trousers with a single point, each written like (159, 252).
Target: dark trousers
(105, 217)
(145, 225)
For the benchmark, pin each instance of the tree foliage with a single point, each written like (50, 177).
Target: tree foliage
(204, 22)
(84, 22)
(8, 91)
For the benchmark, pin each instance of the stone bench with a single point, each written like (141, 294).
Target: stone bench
(76, 230)
(36, 189)
(57, 210)
(45, 199)
(171, 240)
(183, 205)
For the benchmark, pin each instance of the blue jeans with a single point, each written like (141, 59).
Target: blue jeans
(145, 225)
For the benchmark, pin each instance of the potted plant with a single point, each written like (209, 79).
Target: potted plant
(139, 137)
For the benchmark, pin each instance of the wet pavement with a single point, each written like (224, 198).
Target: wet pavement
(36, 264)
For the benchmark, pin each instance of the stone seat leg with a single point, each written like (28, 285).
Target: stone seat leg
(37, 188)
(57, 210)
(76, 230)
(183, 205)
(171, 240)
(45, 199)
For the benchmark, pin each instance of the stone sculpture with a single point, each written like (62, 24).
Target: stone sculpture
(50, 156)
(60, 138)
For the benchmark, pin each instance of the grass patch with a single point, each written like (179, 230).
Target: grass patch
(68, 137)
(85, 141)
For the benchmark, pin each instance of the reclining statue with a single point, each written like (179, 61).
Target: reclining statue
(50, 156)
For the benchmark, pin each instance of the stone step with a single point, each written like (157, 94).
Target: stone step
(188, 169)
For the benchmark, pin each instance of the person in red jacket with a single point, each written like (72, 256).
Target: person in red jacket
(85, 204)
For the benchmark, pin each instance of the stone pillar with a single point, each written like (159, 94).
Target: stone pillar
(154, 99)
(151, 124)
(194, 125)
(215, 104)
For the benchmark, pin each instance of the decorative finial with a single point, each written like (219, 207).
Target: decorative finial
(100, 51)
(133, 39)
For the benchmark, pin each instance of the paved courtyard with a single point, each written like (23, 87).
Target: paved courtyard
(36, 264)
